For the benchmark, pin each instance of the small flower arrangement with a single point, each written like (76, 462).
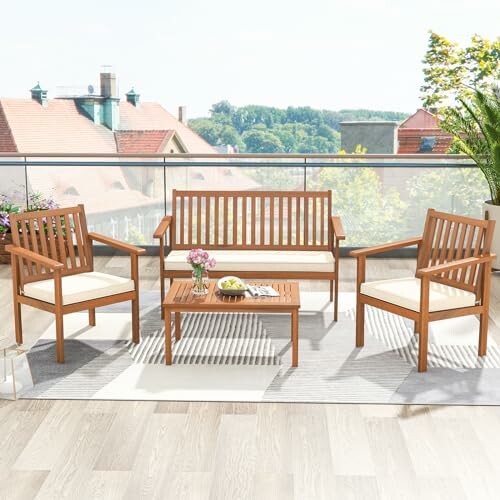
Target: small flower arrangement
(201, 263)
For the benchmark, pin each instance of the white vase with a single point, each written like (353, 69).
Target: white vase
(494, 214)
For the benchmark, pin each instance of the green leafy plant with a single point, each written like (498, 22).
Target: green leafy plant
(475, 125)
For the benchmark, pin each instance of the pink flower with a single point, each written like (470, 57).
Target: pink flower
(199, 258)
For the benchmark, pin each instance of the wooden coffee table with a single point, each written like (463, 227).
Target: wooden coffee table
(180, 299)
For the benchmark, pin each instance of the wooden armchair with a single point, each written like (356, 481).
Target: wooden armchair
(53, 270)
(452, 279)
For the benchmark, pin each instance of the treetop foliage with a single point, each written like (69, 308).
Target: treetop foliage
(266, 129)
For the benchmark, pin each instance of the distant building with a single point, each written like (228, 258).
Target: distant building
(376, 136)
(420, 133)
(104, 123)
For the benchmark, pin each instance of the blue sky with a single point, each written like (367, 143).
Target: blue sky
(325, 54)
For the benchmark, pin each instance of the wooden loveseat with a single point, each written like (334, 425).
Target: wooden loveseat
(253, 234)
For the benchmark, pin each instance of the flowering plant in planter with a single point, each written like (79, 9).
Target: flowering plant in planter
(36, 202)
(7, 207)
(201, 263)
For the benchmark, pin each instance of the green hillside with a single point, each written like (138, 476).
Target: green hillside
(265, 129)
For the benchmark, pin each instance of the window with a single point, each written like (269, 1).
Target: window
(117, 186)
(71, 191)
(426, 144)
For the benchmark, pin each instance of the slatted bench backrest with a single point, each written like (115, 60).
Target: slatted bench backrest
(251, 220)
(59, 234)
(450, 237)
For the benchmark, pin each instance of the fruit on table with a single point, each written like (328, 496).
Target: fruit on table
(232, 284)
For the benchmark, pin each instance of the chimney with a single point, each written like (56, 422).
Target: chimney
(110, 104)
(132, 97)
(183, 114)
(40, 95)
(108, 85)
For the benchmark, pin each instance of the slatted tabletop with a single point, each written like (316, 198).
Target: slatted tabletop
(181, 298)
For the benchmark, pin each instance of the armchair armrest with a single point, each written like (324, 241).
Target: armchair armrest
(120, 245)
(364, 252)
(338, 229)
(457, 264)
(34, 257)
(162, 227)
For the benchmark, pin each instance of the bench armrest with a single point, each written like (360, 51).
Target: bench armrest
(34, 257)
(457, 264)
(120, 245)
(338, 229)
(162, 227)
(363, 252)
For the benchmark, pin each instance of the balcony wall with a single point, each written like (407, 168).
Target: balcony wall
(380, 198)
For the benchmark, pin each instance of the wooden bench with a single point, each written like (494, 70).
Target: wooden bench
(261, 234)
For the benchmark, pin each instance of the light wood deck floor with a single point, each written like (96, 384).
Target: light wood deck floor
(133, 450)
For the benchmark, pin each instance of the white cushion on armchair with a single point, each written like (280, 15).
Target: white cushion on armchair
(79, 287)
(405, 292)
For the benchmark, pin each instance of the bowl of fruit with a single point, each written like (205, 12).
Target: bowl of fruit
(231, 285)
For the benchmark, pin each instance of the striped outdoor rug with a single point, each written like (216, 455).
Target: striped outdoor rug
(213, 339)
(397, 334)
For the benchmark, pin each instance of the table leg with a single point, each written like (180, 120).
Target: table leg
(177, 326)
(168, 337)
(295, 338)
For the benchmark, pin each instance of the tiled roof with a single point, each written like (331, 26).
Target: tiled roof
(419, 125)
(152, 116)
(421, 119)
(60, 127)
(7, 143)
(142, 141)
(57, 128)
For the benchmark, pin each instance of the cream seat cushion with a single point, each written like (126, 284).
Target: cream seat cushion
(79, 287)
(259, 260)
(405, 292)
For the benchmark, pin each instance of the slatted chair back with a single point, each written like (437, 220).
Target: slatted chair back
(264, 220)
(449, 237)
(59, 234)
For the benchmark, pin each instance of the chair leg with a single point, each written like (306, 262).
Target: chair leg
(18, 322)
(483, 333)
(162, 294)
(360, 323)
(423, 341)
(135, 321)
(336, 304)
(92, 317)
(59, 338)
(416, 328)
(331, 290)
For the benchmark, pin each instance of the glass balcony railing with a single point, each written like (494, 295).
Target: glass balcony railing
(380, 197)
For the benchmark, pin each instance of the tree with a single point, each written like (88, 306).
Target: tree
(476, 127)
(262, 141)
(452, 71)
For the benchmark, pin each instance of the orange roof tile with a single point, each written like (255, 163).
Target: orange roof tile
(142, 141)
(152, 116)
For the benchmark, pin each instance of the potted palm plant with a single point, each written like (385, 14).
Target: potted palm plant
(476, 128)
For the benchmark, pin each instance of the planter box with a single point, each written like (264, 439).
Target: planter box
(494, 214)
(4, 255)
